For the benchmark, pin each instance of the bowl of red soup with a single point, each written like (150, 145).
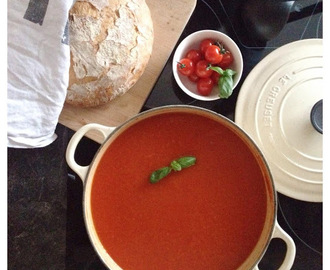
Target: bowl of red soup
(178, 187)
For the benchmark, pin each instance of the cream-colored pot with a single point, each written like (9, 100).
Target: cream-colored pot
(271, 228)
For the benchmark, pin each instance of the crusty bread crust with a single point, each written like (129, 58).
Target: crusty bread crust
(110, 43)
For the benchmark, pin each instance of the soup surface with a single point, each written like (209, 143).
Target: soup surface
(207, 216)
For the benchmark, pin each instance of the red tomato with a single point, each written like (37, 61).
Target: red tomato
(226, 60)
(194, 55)
(201, 69)
(215, 77)
(205, 86)
(193, 77)
(186, 66)
(205, 44)
(213, 54)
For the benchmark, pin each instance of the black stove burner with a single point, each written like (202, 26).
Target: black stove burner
(301, 220)
(304, 221)
(303, 20)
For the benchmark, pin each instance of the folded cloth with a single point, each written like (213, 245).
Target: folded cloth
(38, 70)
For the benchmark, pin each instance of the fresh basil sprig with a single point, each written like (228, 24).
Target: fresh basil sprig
(186, 162)
(159, 174)
(176, 165)
(226, 82)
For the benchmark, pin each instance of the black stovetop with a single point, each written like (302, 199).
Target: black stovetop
(301, 220)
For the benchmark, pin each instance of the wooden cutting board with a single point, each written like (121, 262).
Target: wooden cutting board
(169, 18)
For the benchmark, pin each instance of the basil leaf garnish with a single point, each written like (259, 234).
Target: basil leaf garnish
(176, 165)
(159, 174)
(226, 82)
(229, 72)
(216, 69)
(225, 86)
(186, 162)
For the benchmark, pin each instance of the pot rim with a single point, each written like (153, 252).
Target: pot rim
(96, 243)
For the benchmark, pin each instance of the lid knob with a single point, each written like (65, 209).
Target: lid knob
(317, 116)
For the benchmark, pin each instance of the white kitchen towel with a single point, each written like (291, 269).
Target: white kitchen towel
(38, 70)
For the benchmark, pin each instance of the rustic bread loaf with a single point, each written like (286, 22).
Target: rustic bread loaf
(110, 43)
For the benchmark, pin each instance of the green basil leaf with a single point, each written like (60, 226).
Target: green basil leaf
(186, 161)
(176, 166)
(159, 174)
(225, 83)
(216, 69)
(229, 72)
(225, 86)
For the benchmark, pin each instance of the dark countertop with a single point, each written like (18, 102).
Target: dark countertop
(37, 206)
(45, 221)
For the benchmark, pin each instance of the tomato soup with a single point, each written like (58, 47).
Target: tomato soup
(208, 216)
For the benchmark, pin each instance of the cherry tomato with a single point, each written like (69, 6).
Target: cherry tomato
(201, 69)
(215, 77)
(205, 44)
(213, 54)
(186, 66)
(205, 86)
(193, 77)
(226, 60)
(194, 55)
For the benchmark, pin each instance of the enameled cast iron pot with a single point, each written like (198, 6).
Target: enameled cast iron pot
(271, 228)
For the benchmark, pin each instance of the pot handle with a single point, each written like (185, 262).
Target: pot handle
(73, 143)
(290, 251)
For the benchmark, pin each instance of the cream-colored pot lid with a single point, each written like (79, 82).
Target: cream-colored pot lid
(274, 107)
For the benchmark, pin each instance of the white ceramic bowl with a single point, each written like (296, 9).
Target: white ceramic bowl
(192, 42)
